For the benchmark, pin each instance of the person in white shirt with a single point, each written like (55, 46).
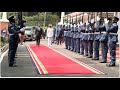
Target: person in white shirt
(50, 34)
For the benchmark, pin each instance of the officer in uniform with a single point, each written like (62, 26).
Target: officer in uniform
(104, 42)
(96, 39)
(82, 28)
(13, 38)
(85, 38)
(112, 40)
(90, 38)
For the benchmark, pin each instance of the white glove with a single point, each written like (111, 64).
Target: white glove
(81, 23)
(98, 19)
(106, 21)
(22, 29)
(74, 25)
(71, 25)
(87, 23)
(92, 20)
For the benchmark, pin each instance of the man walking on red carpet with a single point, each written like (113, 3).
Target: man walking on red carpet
(38, 33)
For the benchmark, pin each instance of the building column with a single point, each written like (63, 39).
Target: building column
(62, 15)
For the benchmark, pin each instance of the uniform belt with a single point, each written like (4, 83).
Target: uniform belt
(113, 33)
(97, 32)
(11, 34)
(103, 32)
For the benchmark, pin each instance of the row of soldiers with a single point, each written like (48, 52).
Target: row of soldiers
(85, 38)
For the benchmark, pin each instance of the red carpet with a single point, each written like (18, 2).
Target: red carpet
(49, 61)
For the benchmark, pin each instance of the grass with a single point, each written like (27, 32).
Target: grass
(3, 41)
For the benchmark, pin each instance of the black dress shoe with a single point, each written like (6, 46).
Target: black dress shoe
(103, 61)
(89, 57)
(13, 65)
(81, 53)
(95, 58)
(110, 65)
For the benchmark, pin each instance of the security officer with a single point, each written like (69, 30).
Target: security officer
(12, 40)
(82, 28)
(96, 39)
(85, 38)
(112, 39)
(90, 38)
(104, 42)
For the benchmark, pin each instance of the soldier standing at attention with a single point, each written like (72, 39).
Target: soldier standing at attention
(112, 39)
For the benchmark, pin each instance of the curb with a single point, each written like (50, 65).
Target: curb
(2, 48)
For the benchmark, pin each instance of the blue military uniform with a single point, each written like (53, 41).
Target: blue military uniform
(74, 38)
(104, 43)
(85, 39)
(71, 37)
(77, 40)
(112, 40)
(65, 37)
(13, 38)
(90, 39)
(96, 41)
(81, 30)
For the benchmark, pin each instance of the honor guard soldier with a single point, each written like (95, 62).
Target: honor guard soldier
(69, 42)
(96, 39)
(65, 36)
(77, 40)
(79, 31)
(74, 38)
(13, 38)
(85, 38)
(112, 40)
(72, 34)
(90, 38)
(63, 29)
(81, 40)
(104, 41)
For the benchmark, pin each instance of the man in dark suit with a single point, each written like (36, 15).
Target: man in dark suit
(38, 33)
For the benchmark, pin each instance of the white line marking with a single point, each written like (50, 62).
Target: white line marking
(33, 58)
(39, 62)
(2, 56)
(79, 62)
